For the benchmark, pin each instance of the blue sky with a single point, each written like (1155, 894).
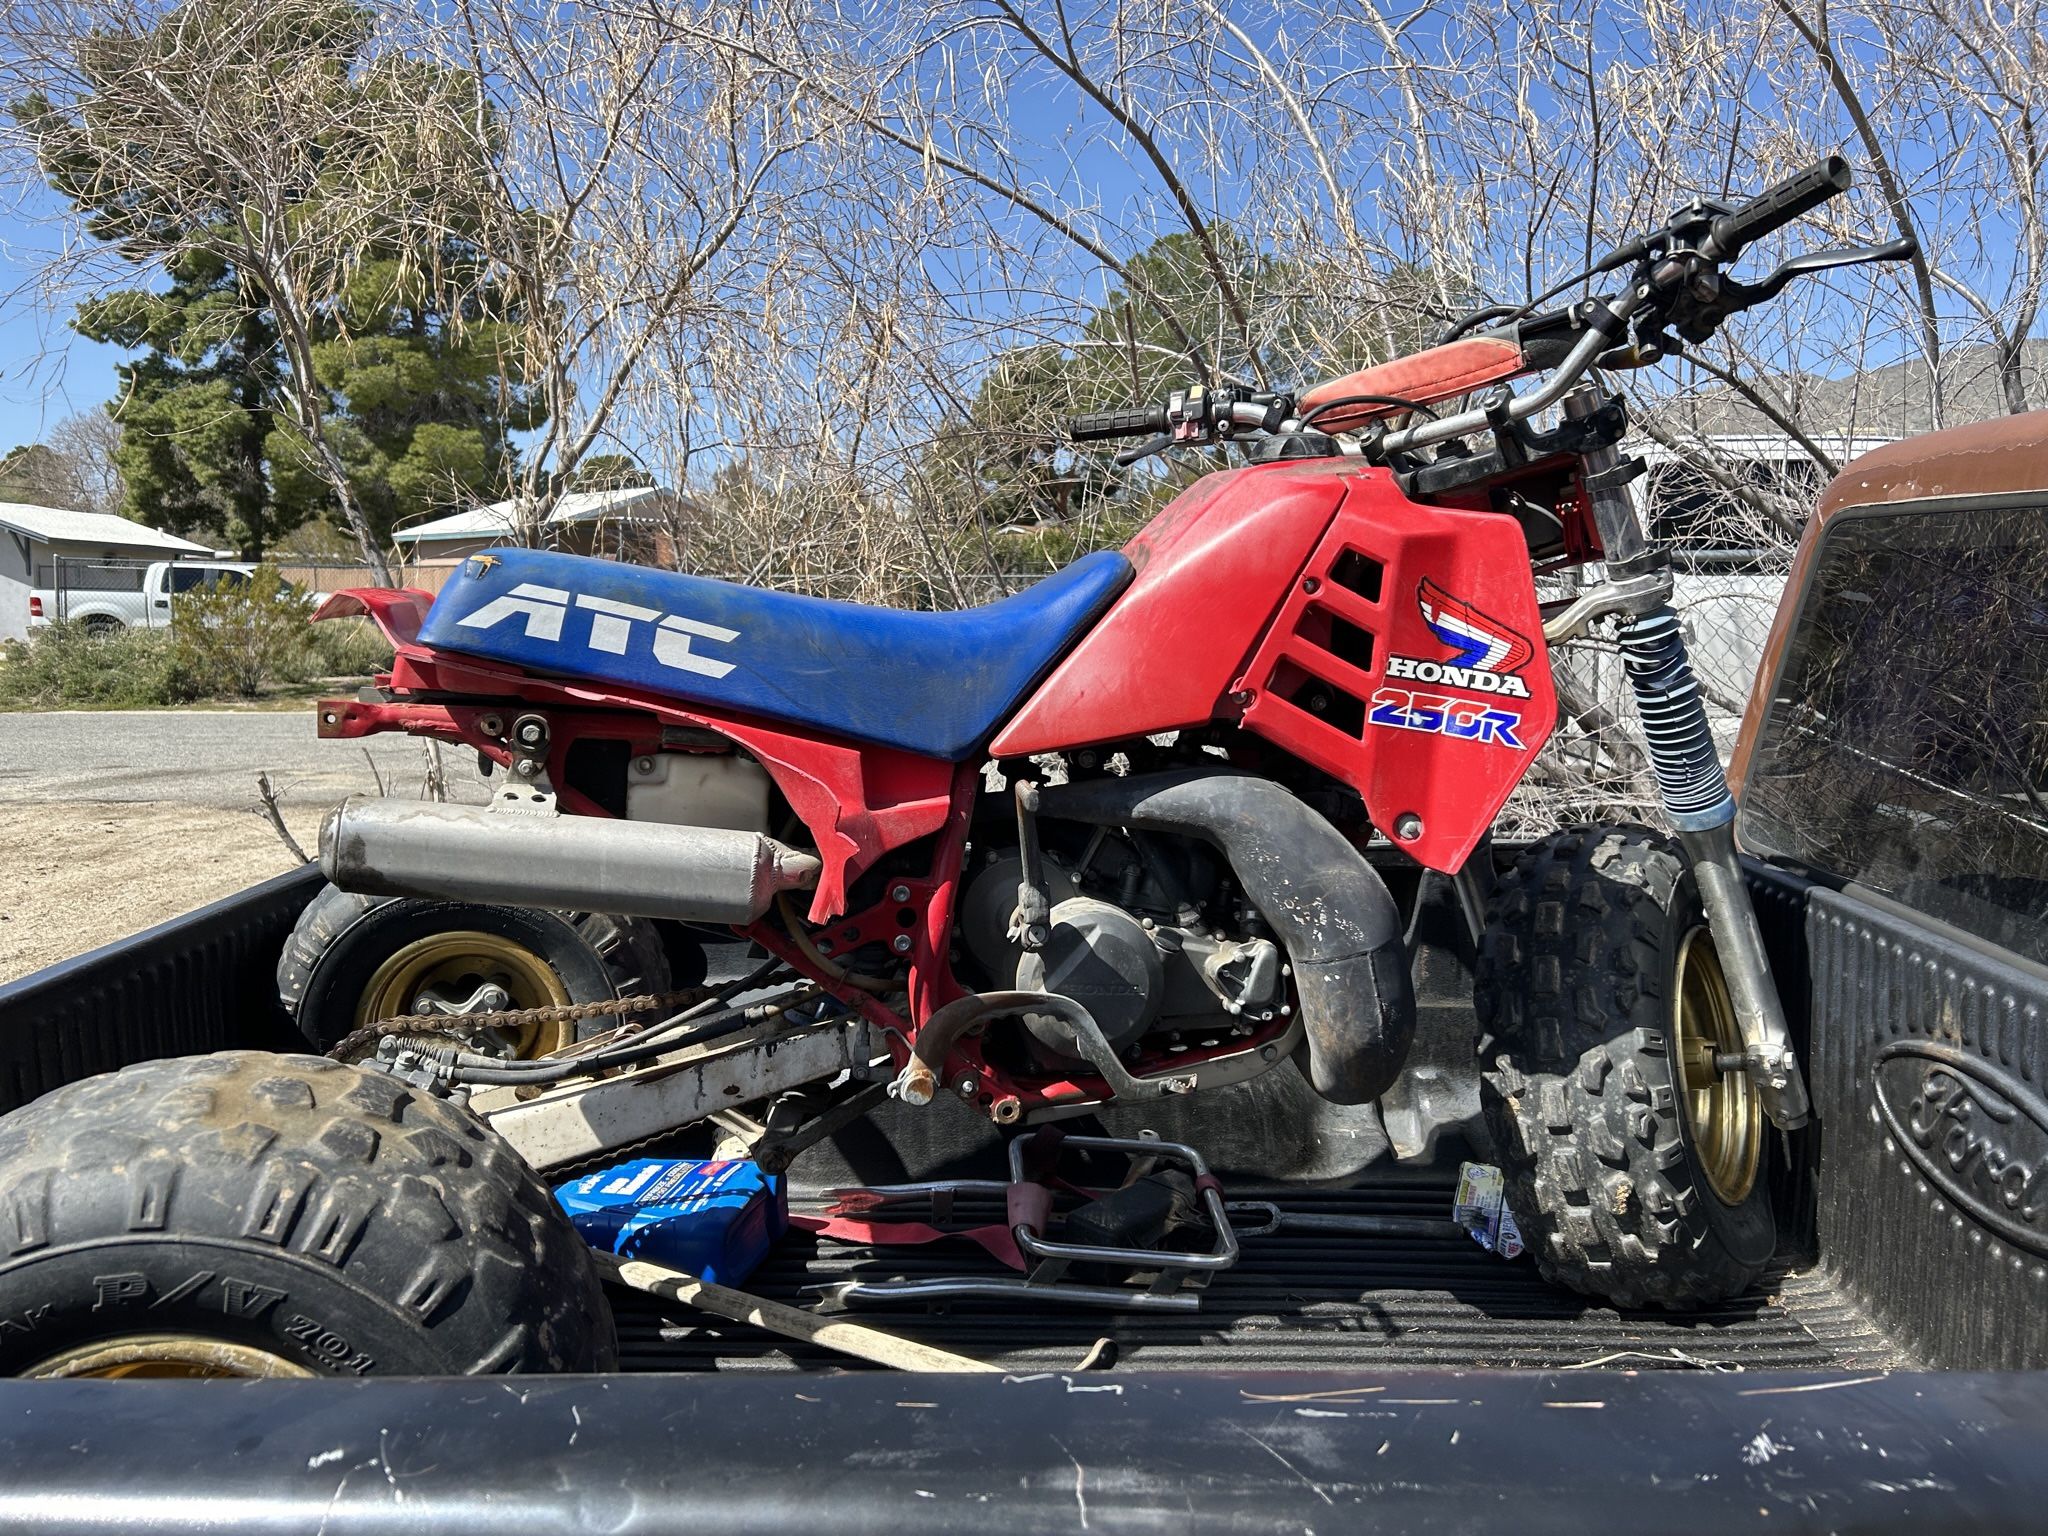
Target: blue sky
(47, 370)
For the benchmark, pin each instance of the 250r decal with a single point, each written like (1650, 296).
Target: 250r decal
(1466, 719)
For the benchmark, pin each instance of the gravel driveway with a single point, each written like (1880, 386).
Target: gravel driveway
(113, 821)
(192, 757)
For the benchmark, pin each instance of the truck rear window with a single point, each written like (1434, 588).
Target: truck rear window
(1906, 744)
(206, 578)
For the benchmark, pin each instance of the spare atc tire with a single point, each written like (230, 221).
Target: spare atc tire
(354, 959)
(245, 1214)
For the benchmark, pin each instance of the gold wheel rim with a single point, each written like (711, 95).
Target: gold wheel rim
(464, 958)
(165, 1357)
(1722, 1109)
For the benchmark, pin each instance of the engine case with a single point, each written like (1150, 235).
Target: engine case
(1105, 960)
(1135, 974)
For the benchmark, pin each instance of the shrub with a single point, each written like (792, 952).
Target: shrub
(345, 648)
(228, 639)
(63, 665)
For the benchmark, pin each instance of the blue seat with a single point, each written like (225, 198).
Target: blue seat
(932, 683)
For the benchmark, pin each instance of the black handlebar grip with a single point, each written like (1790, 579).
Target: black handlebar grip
(1101, 426)
(1781, 204)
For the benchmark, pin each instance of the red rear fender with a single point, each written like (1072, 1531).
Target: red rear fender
(397, 611)
(858, 800)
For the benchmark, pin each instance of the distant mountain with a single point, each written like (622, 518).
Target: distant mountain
(1889, 402)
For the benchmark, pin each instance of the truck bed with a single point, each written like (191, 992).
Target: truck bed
(1319, 1300)
(1316, 1301)
(1402, 1384)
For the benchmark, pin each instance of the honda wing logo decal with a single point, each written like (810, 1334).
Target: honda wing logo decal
(1482, 644)
(543, 610)
(1488, 653)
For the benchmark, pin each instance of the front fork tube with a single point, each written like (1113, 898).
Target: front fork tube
(1694, 789)
(1767, 1045)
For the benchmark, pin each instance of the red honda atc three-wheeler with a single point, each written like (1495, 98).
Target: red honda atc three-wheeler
(1115, 840)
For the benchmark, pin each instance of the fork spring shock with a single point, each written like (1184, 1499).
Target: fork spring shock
(1690, 779)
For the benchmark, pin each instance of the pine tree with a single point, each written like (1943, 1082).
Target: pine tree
(406, 341)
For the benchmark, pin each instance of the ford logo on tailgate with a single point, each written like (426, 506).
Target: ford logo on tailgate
(1976, 1133)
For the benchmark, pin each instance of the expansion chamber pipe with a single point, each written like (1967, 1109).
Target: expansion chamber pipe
(1331, 910)
(574, 863)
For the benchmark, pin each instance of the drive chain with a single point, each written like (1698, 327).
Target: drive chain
(350, 1046)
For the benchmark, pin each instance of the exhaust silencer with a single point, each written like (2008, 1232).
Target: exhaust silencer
(574, 863)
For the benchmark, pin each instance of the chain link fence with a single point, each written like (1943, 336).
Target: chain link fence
(68, 578)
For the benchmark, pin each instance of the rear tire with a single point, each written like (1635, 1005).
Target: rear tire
(336, 967)
(251, 1214)
(1618, 1192)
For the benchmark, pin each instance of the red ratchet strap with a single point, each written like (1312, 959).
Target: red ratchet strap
(996, 1239)
(1030, 1206)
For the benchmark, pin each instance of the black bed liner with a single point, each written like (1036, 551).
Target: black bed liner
(1318, 1301)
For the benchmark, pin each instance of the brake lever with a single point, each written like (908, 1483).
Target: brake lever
(1697, 318)
(1129, 456)
(1902, 249)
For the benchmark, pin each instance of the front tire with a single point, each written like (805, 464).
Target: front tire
(245, 1214)
(1634, 1170)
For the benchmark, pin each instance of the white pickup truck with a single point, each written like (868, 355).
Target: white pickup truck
(103, 612)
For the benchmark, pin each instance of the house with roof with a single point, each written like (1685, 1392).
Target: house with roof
(36, 543)
(623, 524)
(1722, 440)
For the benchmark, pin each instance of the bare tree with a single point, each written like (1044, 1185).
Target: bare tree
(86, 443)
(636, 163)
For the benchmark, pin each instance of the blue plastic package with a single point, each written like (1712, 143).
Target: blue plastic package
(715, 1220)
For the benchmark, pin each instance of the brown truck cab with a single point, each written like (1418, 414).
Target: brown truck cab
(1895, 755)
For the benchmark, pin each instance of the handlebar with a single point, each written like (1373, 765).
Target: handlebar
(1194, 415)
(1103, 426)
(1780, 205)
(1679, 286)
